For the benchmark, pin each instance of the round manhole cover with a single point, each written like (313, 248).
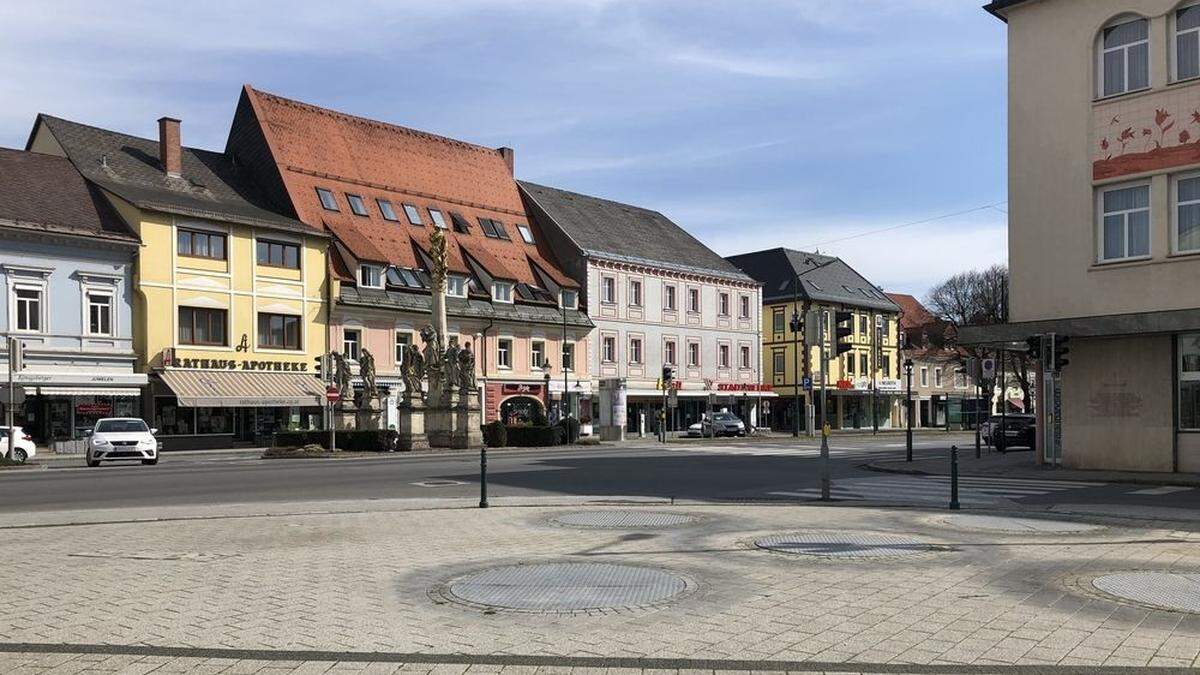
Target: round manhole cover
(566, 587)
(970, 521)
(845, 545)
(623, 520)
(1165, 590)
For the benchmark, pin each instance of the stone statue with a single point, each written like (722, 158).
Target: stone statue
(341, 376)
(466, 368)
(366, 369)
(433, 357)
(450, 364)
(413, 371)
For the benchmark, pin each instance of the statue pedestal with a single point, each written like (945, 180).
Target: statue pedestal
(345, 418)
(437, 415)
(466, 419)
(369, 418)
(411, 427)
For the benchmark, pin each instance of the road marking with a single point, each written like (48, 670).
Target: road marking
(1164, 490)
(926, 489)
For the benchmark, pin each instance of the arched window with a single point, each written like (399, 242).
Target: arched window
(1187, 42)
(1124, 57)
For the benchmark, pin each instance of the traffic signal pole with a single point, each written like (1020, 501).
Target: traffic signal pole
(13, 357)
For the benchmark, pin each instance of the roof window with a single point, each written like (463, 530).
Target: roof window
(356, 204)
(328, 201)
(414, 216)
(385, 207)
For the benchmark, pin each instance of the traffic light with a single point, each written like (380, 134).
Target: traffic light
(842, 333)
(320, 361)
(1033, 347)
(1060, 349)
(668, 374)
(16, 355)
(795, 323)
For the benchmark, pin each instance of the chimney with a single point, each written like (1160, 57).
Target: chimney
(507, 154)
(169, 151)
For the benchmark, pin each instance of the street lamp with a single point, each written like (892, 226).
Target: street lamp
(908, 368)
(546, 373)
(795, 360)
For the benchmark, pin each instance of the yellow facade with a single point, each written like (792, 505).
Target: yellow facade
(165, 281)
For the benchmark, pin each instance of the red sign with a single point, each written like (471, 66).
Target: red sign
(101, 409)
(744, 386)
(332, 394)
(845, 384)
(515, 388)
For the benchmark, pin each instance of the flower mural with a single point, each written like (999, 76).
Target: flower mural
(1126, 147)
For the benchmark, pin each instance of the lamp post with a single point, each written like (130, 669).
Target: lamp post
(795, 360)
(546, 380)
(908, 407)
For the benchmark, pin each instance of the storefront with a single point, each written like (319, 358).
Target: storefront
(199, 408)
(860, 402)
(59, 407)
(691, 405)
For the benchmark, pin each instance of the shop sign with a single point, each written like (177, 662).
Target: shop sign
(889, 386)
(248, 365)
(515, 388)
(93, 409)
(744, 386)
(845, 385)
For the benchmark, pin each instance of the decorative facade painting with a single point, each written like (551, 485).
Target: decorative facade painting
(1146, 133)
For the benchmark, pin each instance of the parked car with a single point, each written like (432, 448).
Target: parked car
(722, 424)
(25, 447)
(1014, 430)
(122, 438)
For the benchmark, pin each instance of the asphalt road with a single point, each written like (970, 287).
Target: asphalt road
(721, 469)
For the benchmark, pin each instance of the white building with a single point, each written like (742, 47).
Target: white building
(658, 297)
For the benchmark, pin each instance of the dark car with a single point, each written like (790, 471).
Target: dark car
(1014, 431)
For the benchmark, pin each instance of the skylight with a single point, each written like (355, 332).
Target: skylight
(328, 201)
(414, 216)
(356, 204)
(489, 228)
(385, 207)
(500, 231)
(437, 217)
(460, 223)
(526, 233)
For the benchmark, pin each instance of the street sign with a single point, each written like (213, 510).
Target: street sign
(806, 383)
(18, 393)
(989, 369)
(673, 398)
(332, 394)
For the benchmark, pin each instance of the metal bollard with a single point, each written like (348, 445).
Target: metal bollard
(483, 502)
(825, 463)
(954, 478)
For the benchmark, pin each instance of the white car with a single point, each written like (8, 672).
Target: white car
(122, 438)
(25, 447)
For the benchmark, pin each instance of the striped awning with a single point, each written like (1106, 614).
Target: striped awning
(235, 389)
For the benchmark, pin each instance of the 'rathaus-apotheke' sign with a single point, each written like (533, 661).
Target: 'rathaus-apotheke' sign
(169, 360)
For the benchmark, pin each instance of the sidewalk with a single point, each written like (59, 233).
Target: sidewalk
(1021, 464)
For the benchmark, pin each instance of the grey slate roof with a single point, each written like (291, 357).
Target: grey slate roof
(626, 233)
(461, 307)
(128, 166)
(822, 278)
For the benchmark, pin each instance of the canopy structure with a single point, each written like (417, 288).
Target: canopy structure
(214, 388)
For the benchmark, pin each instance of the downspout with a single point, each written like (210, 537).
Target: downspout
(483, 352)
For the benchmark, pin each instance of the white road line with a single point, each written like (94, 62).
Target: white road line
(1164, 490)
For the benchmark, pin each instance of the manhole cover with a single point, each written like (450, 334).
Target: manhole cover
(845, 545)
(566, 587)
(1165, 590)
(438, 483)
(623, 520)
(969, 521)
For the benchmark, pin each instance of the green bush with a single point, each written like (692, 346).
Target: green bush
(570, 429)
(495, 434)
(533, 436)
(367, 440)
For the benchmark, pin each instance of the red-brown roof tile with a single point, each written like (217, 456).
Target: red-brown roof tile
(912, 313)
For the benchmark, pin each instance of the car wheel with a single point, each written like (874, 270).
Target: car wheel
(150, 462)
(20, 455)
(92, 462)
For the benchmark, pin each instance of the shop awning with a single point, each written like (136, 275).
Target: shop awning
(234, 389)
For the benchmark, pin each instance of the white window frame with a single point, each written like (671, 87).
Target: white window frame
(1175, 204)
(379, 271)
(745, 357)
(403, 337)
(924, 376)
(502, 291)
(15, 314)
(573, 294)
(109, 296)
(608, 290)
(357, 341)
(458, 279)
(1176, 33)
(537, 348)
(1101, 51)
(723, 304)
(637, 353)
(635, 292)
(670, 352)
(1100, 214)
(504, 349)
(608, 348)
(670, 298)
(724, 356)
(744, 310)
(699, 360)
(699, 300)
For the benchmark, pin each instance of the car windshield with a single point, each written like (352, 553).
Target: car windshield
(724, 417)
(121, 426)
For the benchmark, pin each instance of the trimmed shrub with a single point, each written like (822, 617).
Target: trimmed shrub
(533, 436)
(570, 429)
(495, 434)
(366, 440)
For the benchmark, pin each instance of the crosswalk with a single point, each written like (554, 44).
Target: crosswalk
(973, 491)
(790, 450)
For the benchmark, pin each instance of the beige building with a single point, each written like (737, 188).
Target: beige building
(1104, 224)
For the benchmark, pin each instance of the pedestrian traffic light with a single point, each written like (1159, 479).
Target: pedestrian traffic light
(1033, 347)
(843, 331)
(1059, 346)
(668, 374)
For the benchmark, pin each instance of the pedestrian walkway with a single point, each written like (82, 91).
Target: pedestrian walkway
(925, 490)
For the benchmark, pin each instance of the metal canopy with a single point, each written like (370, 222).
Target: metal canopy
(1111, 325)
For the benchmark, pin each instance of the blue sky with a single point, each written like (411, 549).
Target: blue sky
(752, 124)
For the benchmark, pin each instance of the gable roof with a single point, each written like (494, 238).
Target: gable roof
(912, 313)
(822, 278)
(606, 229)
(45, 193)
(305, 147)
(209, 185)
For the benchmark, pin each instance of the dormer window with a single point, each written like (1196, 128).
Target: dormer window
(414, 216)
(568, 298)
(456, 286)
(1124, 57)
(526, 233)
(328, 201)
(502, 291)
(370, 276)
(356, 204)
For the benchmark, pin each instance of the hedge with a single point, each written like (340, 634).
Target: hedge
(495, 434)
(534, 436)
(570, 429)
(368, 440)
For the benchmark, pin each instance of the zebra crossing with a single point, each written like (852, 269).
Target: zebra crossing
(974, 491)
(785, 449)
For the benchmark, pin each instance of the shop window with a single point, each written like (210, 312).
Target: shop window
(1189, 382)
(278, 331)
(199, 326)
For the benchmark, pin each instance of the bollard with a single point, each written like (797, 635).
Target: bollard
(825, 463)
(954, 478)
(483, 502)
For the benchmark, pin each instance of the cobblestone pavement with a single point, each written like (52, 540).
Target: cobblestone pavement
(364, 590)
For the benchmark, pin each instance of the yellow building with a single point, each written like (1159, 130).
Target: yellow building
(229, 301)
(795, 283)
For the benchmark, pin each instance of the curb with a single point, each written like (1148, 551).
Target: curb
(1125, 480)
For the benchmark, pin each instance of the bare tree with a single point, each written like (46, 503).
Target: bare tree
(978, 298)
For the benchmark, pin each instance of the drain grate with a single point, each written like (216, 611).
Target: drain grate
(1165, 590)
(566, 587)
(968, 521)
(845, 545)
(623, 520)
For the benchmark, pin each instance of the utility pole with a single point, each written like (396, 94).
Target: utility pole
(874, 381)
(824, 423)
(795, 325)
(15, 363)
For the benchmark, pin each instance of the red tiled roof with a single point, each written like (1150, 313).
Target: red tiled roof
(912, 313)
(315, 147)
